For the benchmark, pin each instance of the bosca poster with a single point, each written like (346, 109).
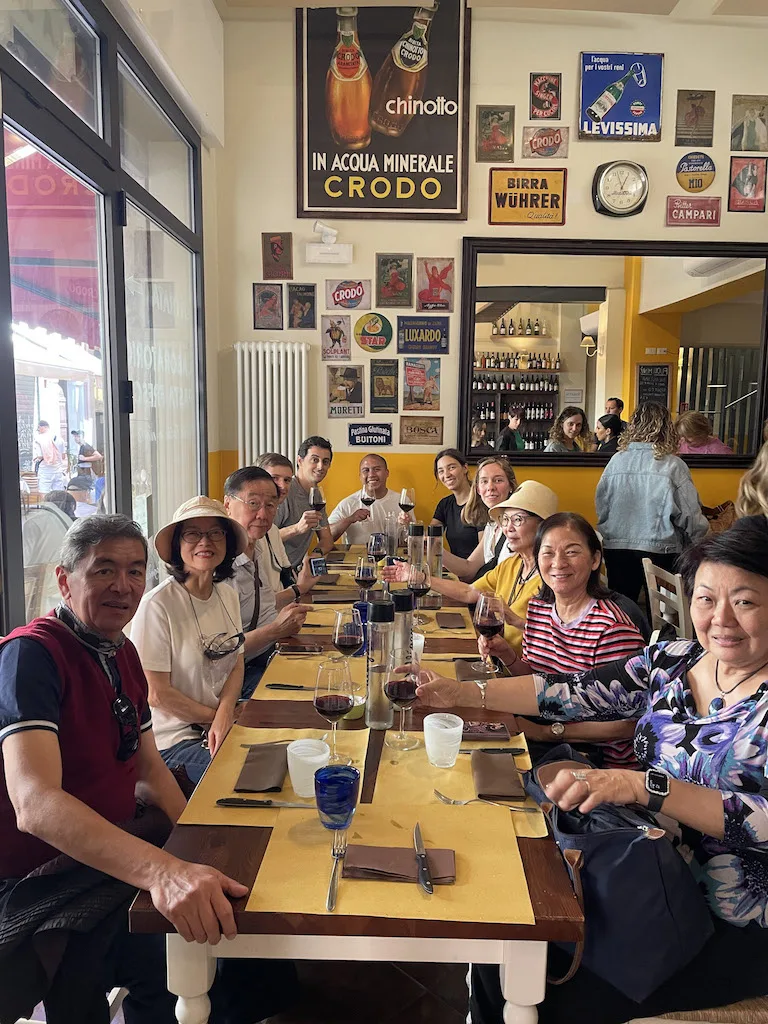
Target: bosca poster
(382, 114)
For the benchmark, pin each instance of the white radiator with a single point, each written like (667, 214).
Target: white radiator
(271, 398)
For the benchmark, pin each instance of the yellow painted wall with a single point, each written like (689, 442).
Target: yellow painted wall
(575, 487)
(646, 330)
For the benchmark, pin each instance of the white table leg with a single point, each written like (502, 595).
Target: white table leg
(523, 980)
(191, 967)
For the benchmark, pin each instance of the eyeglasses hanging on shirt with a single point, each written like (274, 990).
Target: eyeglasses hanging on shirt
(220, 645)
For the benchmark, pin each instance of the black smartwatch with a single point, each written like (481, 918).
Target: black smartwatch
(296, 591)
(657, 785)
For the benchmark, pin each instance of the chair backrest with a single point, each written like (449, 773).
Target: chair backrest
(668, 603)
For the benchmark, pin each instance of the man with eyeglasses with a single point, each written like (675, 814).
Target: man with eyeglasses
(77, 752)
(297, 519)
(251, 498)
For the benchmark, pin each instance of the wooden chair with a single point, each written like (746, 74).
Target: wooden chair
(749, 1011)
(30, 479)
(668, 604)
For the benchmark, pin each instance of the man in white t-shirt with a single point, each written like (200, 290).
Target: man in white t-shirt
(352, 517)
(268, 615)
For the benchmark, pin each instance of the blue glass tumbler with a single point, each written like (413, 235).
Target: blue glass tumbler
(336, 788)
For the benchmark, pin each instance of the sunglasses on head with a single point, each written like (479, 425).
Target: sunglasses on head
(127, 717)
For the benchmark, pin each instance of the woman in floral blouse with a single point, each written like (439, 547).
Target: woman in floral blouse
(702, 736)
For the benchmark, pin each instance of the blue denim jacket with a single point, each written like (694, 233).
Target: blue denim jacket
(648, 504)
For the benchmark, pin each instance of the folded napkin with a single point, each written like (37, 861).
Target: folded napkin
(330, 579)
(393, 864)
(335, 556)
(264, 769)
(496, 778)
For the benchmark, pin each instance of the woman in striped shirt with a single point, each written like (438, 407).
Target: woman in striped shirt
(572, 625)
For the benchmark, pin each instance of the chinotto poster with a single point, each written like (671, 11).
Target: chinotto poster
(382, 111)
(621, 96)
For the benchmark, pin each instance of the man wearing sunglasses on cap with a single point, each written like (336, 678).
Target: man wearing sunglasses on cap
(77, 751)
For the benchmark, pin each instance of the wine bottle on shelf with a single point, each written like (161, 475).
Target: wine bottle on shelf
(512, 327)
(494, 328)
(543, 328)
(537, 328)
(528, 328)
(502, 327)
(520, 327)
(557, 362)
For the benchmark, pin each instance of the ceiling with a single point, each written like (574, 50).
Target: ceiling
(702, 11)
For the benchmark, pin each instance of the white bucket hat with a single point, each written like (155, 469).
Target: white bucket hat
(197, 508)
(530, 496)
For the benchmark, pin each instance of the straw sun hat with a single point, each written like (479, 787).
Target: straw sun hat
(197, 508)
(531, 497)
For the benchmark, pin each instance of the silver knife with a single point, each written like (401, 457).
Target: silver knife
(242, 801)
(425, 879)
(287, 686)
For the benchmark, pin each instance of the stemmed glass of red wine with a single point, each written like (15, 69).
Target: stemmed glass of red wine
(317, 499)
(400, 688)
(348, 632)
(419, 583)
(407, 499)
(333, 698)
(365, 575)
(367, 495)
(489, 622)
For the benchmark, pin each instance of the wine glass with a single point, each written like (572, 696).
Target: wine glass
(377, 546)
(400, 688)
(347, 634)
(407, 499)
(333, 698)
(317, 499)
(367, 495)
(365, 576)
(419, 582)
(489, 621)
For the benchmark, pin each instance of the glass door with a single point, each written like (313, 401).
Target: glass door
(56, 248)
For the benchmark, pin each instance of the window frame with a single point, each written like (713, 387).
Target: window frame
(28, 106)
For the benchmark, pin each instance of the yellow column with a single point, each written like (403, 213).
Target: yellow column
(644, 331)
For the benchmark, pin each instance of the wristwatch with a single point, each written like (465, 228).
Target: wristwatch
(296, 591)
(557, 729)
(657, 785)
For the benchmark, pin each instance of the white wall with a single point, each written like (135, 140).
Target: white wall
(257, 172)
(728, 323)
(665, 280)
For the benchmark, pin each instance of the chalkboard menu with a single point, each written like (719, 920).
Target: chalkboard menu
(653, 383)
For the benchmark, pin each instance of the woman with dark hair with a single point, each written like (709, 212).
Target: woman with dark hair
(573, 624)
(510, 439)
(570, 432)
(607, 431)
(647, 504)
(452, 471)
(479, 439)
(701, 740)
(188, 633)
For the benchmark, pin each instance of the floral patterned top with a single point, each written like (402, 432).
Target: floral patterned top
(726, 749)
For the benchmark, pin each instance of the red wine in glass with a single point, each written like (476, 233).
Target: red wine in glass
(348, 644)
(367, 500)
(418, 590)
(401, 691)
(489, 627)
(365, 581)
(316, 499)
(333, 706)
(406, 506)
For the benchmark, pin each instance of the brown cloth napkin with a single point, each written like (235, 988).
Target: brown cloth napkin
(393, 864)
(495, 777)
(335, 556)
(264, 769)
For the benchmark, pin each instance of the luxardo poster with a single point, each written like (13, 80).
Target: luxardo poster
(382, 113)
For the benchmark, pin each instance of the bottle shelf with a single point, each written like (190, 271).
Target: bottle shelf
(508, 369)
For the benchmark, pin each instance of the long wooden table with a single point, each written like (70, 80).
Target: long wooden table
(520, 950)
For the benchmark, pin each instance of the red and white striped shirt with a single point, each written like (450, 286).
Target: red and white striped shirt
(602, 633)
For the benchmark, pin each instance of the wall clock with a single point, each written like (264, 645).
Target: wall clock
(620, 188)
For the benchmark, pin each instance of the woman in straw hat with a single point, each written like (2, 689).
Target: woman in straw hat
(516, 579)
(188, 633)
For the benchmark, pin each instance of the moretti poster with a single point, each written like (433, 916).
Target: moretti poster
(518, 195)
(382, 111)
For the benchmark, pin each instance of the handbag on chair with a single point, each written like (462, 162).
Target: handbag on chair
(645, 916)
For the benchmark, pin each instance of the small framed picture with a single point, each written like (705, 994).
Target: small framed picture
(749, 124)
(276, 255)
(267, 307)
(494, 134)
(746, 189)
(394, 279)
(302, 307)
(545, 97)
(434, 284)
(335, 337)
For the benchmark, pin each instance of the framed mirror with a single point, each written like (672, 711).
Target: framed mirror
(556, 337)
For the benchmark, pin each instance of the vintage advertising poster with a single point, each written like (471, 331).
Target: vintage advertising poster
(373, 332)
(522, 195)
(494, 134)
(267, 307)
(421, 385)
(749, 124)
(695, 172)
(394, 279)
(746, 192)
(336, 334)
(621, 96)
(345, 391)
(382, 112)
(695, 117)
(693, 211)
(276, 255)
(421, 430)
(423, 335)
(434, 284)
(351, 293)
(546, 143)
(366, 435)
(383, 385)
(302, 307)
(545, 96)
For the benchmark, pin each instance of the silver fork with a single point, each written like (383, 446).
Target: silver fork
(338, 851)
(478, 800)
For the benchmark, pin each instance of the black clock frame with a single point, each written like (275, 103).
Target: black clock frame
(474, 246)
(597, 201)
